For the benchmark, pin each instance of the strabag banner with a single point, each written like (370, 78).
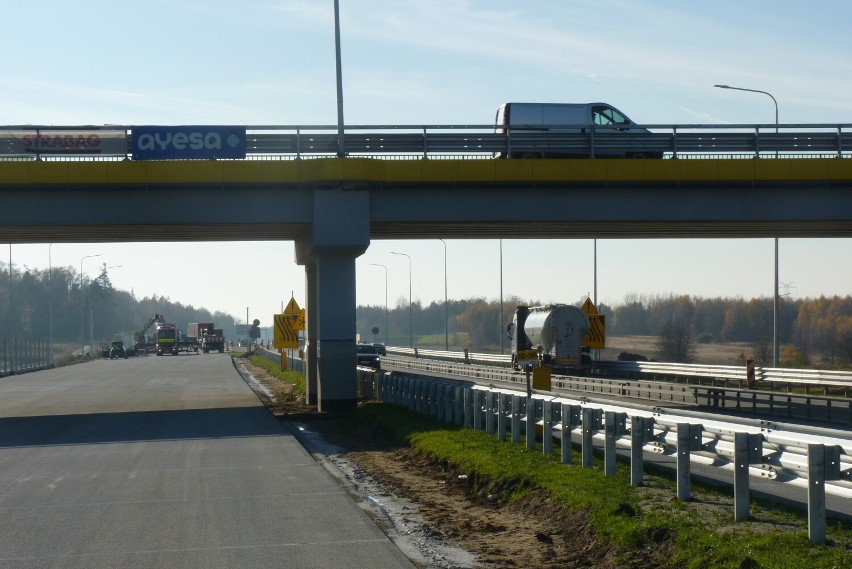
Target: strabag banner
(70, 142)
(188, 142)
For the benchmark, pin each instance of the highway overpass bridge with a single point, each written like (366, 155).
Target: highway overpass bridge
(333, 207)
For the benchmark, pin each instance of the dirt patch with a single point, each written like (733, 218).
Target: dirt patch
(441, 517)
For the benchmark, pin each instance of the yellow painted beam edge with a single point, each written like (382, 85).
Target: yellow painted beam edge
(424, 171)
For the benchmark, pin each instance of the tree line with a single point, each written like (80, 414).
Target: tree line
(40, 300)
(810, 331)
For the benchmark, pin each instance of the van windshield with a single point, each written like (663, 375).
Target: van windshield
(604, 115)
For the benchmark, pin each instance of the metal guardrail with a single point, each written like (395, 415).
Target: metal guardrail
(303, 141)
(783, 377)
(790, 406)
(23, 355)
(819, 460)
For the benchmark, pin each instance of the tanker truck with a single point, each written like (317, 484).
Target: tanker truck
(556, 331)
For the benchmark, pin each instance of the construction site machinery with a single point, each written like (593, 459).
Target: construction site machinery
(187, 343)
(167, 339)
(145, 342)
(214, 341)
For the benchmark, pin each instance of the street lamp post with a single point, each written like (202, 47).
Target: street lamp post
(386, 300)
(341, 150)
(775, 292)
(410, 317)
(83, 308)
(446, 306)
(502, 329)
(50, 305)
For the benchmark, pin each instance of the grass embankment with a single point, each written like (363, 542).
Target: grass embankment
(631, 518)
(294, 378)
(698, 534)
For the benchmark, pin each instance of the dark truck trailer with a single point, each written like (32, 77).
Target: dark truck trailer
(210, 338)
(187, 343)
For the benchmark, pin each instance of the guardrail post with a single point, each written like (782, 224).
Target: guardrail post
(384, 382)
(501, 416)
(816, 493)
(489, 412)
(591, 423)
(530, 422)
(741, 476)
(614, 427)
(516, 418)
(568, 420)
(547, 427)
(477, 409)
(419, 395)
(688, 439)
(641, 431)
(609, 443)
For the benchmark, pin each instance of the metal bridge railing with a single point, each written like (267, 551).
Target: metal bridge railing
(430, 141)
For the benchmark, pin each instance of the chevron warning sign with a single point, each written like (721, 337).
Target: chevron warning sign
(285, 337)
(596, 338)
(287, 326)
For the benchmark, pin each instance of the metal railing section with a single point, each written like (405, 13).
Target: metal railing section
(484, 141)
(819, 460)
(761, 402)
(23, 355)
(782, 377)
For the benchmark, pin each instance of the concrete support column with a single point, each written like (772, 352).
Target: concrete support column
(336, 349)
(311, 329)
(340, 232)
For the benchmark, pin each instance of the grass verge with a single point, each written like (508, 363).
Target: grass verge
(688, 535)
(295, 378)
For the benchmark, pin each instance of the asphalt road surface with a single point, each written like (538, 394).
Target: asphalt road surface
(166, 462)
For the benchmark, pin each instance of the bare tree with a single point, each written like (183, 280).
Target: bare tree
(675, 343)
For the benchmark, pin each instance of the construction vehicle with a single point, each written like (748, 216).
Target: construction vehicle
(167, 339)
(187, 343)
(213, 340)
(145, 342)
(192, 332)
(209, 338)
(556, 332)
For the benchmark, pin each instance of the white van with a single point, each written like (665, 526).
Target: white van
(568, 118)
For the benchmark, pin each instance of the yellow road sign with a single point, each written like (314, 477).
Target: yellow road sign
(299, 322)
(292, 307)
(589, 308)
(284, 337)
(596, 338)
(526, 357)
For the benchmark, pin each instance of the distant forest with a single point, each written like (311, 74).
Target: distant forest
(816, 332)
(26, 312)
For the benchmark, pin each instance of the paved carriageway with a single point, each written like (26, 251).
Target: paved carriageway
(166, 462)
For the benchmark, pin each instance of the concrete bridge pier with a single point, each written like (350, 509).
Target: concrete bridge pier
(339, 234)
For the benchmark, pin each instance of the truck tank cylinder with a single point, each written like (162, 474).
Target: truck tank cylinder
(521, 339)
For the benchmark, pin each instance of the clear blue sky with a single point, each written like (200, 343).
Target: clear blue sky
(433, 62)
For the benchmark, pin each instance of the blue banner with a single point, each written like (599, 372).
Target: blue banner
(188, 142)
